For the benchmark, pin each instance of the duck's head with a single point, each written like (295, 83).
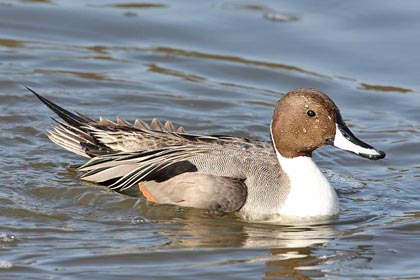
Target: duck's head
(305, 119)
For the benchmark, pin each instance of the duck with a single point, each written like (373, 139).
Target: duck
(257, 180)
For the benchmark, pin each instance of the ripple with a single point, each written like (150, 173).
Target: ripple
(385, 88)
(136, 5)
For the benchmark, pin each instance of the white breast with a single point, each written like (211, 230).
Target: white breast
(310, 193)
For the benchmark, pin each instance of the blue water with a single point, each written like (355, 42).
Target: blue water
(214, 67)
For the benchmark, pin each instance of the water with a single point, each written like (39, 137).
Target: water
(214, 67)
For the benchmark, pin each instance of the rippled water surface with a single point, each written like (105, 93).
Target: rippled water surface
(215, 67)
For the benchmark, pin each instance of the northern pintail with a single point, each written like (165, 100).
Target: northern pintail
(259, 180)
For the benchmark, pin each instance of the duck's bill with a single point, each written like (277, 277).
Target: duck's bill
(345, 139)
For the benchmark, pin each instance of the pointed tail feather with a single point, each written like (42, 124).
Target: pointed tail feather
(72, 134)
(68, 117)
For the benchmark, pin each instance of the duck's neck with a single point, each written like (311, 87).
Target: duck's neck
(310, 193)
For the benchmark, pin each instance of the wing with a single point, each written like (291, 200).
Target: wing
(171, 175)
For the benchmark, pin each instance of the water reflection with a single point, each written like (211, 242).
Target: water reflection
(227, 231)
(297, 264)
(289, 251)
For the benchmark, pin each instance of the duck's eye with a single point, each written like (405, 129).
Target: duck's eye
(310, 113)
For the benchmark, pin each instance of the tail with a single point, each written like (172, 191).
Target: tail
(67, 116)
(73, 134)
(90, 138)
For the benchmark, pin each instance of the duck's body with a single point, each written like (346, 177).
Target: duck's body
(258, 180)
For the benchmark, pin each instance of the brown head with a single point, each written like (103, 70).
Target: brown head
(305, 119)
